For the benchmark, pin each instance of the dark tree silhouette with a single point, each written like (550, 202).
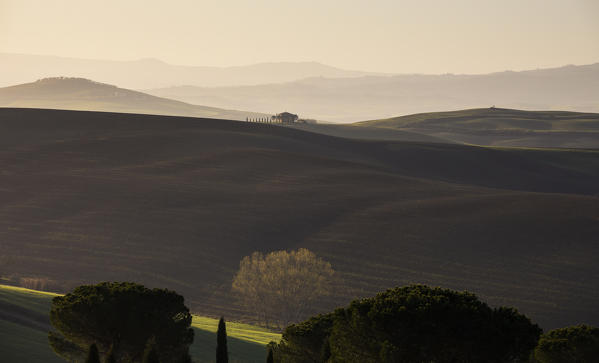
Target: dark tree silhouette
(572, 344)
(92, 355)
(222, 353)
(150, 353)
(412, 324)
(269, 356)
(122, 316)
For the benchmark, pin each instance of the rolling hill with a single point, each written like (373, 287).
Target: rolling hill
(502, 127)
(344, 100)
(24, 327)
(366, 132)
(154, 73)
(177, 202)
(84, 94)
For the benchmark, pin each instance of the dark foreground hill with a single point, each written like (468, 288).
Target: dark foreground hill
(86, 95)
(502, 127)
(177, 202)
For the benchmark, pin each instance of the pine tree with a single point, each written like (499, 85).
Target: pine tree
(150, 353)
(93, 356)
(269, 357)
(222, 354)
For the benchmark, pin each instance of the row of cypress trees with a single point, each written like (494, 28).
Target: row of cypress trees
(151, 355)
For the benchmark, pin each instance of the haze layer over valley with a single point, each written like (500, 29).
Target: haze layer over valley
(87, 95)
(153, 73)
(485, 126)
(569, 88)
(322, 92)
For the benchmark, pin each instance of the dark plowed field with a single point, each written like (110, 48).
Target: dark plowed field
(177, 202)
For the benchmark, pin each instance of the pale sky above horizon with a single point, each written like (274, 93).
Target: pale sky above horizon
(396, 36)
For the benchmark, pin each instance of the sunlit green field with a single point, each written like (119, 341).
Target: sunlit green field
(23, 331)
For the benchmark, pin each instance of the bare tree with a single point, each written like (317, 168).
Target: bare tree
(282, 286)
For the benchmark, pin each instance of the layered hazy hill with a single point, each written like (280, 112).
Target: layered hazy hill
(501, 127)
(177, 202)
(314, 90)
(152, 73)
(570, 88)
(84, 94)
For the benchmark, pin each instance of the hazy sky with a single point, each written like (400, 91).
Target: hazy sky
(457, 36)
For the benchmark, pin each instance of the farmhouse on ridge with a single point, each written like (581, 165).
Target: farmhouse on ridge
(285, 118)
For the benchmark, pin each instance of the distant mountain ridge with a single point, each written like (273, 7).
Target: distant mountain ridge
(84, 94)
(153, 73)
(568, 88)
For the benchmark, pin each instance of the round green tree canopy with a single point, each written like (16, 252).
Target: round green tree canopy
(121, 317)
(572, 344)
(412, 324)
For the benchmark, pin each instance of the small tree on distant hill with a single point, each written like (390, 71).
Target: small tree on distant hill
(121, 317)
(282, 286)
(578, 344)
(222, 353)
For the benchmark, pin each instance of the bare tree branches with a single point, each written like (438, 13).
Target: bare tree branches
(282, 286)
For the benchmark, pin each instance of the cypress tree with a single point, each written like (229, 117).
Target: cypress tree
(150, 353)
(269, 357)
(222, 353)
(92, 355)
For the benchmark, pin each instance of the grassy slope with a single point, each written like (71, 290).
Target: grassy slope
(178, 202)
(502, 127)
(20, 342)
(368, 133)
(83, 94)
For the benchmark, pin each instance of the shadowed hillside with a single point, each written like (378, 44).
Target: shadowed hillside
(368, 133)
(83, 94)
(177, 202)
(502, 127)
